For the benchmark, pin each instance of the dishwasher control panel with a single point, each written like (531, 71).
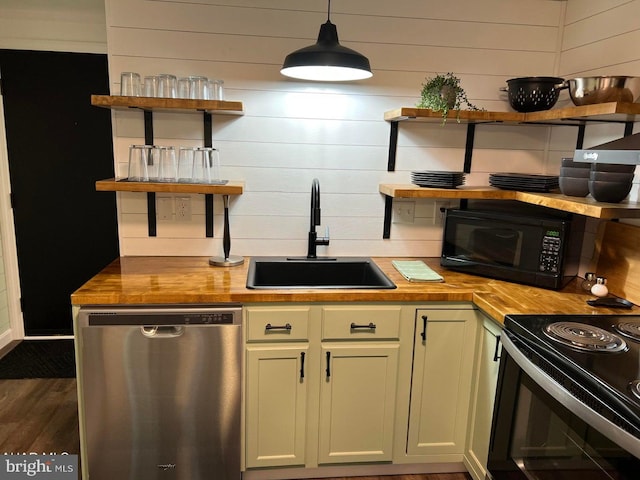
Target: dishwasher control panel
(163, 316)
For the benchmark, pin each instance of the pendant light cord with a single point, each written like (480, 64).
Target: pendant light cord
(329, 12)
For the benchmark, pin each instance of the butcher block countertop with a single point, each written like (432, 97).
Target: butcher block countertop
(184, 280)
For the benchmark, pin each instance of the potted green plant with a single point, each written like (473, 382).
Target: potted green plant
(443, 93)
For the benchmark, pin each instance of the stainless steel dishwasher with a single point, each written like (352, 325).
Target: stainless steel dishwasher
(161, 392)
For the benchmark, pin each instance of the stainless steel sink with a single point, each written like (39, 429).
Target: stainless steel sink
(296, 272)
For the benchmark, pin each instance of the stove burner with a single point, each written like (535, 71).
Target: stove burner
(585, 337)
(629, 329)
(635, 388)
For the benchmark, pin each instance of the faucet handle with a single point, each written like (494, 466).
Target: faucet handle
(324, 240)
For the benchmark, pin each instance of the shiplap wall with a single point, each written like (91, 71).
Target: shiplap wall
(601, 38)
(294, 131)
(53, 25)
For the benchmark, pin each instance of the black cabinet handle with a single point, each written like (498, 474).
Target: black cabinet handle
(268, 327)
(301, 365)
(328, 370)
(424, 328)
(496, 355)
(371, 326)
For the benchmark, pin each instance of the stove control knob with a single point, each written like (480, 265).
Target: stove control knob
(600, 289)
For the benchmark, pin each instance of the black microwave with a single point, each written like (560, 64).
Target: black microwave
(539, 250)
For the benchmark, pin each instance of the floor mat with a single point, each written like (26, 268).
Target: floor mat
(39, 359)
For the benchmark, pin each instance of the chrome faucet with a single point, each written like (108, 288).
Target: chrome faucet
(314, 240)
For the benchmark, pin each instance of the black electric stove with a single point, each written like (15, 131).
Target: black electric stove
(595, 357)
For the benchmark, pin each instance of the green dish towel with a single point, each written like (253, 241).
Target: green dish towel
(416, 271)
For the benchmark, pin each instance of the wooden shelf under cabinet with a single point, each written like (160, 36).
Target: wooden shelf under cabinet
(113, 185)
(167, 104)
(583, 206)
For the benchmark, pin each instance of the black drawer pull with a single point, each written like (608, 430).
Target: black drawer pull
(424, 328)
(328, 370)
(496, 355)
(301, 365)
(268, 327)
(370, 326)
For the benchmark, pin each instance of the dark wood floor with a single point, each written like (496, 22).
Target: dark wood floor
(41, 416)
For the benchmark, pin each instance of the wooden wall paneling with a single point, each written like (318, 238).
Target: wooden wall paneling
(539, 12)
(619, 259)
(268, 50)
(288, 135)
(612, 51)
(579, 9)
(52, 26)
(518, 137)
(602, 25)
(463, 60)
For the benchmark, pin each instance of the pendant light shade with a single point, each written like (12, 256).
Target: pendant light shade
(327, 60)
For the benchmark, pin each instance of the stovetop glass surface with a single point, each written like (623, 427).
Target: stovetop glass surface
(608, 371)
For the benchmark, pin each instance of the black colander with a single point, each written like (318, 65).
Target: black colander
(532, 94)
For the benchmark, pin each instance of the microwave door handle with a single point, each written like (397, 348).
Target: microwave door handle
(507, 236)
(462, 260)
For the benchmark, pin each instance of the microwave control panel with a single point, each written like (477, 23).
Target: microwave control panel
(550, 252)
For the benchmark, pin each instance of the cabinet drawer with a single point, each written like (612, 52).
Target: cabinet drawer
(361, 323)
(277, 324)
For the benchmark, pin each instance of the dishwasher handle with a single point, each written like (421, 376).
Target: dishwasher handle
(162, 331)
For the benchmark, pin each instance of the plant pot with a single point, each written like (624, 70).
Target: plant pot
(448, 94)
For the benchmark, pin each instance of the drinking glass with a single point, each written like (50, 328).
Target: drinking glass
(130, 84)
(186, 158)
(199, 87)
(168, 169)
(206, 165)
(217, 89)
(151, 86)
(138, 158)
(184, 87)
(167, 85)
(153, 162)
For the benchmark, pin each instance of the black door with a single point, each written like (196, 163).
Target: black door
(58, 146)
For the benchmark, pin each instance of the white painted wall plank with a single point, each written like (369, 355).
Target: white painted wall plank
(578, 10)
(294, 131)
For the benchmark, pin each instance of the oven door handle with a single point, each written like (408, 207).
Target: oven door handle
(590, 417)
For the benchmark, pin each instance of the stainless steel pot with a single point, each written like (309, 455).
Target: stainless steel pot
(591, 90)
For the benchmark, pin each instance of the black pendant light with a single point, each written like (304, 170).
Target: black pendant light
(327, 60)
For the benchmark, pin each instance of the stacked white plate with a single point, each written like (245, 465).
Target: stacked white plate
(437, 179)
(525, 182)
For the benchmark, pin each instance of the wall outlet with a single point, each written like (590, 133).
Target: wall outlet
(404, 211)
(183, 209)
(164, 208)
(439, 206)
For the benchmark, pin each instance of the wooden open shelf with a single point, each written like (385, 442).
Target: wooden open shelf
(113, 185)
(397, 190)
(611, 112)
(465, 116)
(583, 206)
(167, 104)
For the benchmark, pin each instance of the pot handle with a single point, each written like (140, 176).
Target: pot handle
(562, 86)
(504, 89)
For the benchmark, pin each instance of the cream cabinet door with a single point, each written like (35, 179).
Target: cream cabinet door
(441, 381)
(357, 402)
(488, 362)
(276, 399)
